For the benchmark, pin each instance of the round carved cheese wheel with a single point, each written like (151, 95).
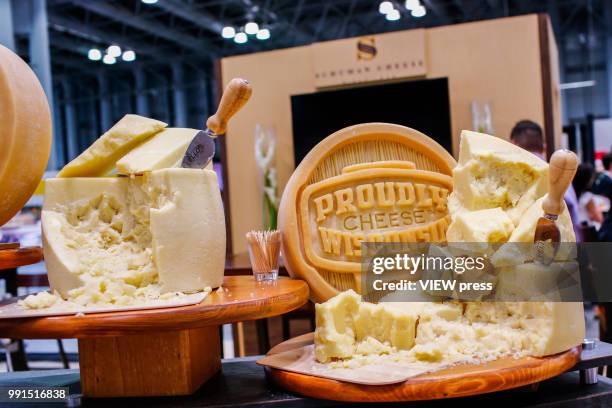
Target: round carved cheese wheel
(373, 182)
(25, 133)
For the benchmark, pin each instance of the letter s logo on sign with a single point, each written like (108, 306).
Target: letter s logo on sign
(366, 48)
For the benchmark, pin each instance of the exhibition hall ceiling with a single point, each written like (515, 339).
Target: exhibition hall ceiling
(164, 31)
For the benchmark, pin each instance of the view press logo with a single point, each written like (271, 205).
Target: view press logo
(366, 48)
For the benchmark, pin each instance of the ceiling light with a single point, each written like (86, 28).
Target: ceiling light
(94, 54)
(418, 12)
(240, 38)
(393, 15)
(263, 34)
(385, 7)
(114, 51)
(149, 1)
(109, 59)
(574, 85)
(228, 32)
(412, 4)
(251, 28)
(128, 56)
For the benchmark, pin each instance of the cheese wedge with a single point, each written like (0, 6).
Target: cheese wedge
(165, 149)
(490, 225)
(117, 239)
(495, 173)
(101, 156)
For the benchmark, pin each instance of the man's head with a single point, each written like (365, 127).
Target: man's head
(606, 160)
(529, 136)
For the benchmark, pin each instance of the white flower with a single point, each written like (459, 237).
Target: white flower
(265, 146)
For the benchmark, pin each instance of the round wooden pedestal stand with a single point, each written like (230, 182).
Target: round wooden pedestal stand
(14, 258)
(11, 258)
(157, 352)
(457, 381)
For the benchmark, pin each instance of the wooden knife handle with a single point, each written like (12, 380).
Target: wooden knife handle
(562, 168)
(236, 94)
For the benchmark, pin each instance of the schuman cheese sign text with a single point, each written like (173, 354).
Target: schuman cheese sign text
(372, 58)
(386, 201)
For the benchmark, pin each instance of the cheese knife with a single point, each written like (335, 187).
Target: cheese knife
(202, 148)
(561, 171)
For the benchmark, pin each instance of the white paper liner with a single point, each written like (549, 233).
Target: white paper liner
(302, 360)
(11, 310)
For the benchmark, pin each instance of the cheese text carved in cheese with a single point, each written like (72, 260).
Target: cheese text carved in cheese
(372, 202)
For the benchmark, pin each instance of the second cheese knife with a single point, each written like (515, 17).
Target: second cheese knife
(202, 148)
(561, 171)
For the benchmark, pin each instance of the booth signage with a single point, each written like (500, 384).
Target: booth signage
(372, 58)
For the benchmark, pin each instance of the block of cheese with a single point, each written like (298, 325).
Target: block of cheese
(490, 225)
(25, 133)
(525, 229)
(495, 173)
(347, 326)
(165, 149)
(117, 239)
(101, 156)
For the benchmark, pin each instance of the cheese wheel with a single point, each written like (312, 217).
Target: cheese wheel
(375, 182)
(25, 133)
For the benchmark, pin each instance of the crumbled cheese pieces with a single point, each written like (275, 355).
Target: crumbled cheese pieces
(443, 332)
(101, 156)
(41, 300)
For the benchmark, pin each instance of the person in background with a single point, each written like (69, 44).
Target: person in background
(528, 135)
(589, 213)
(603, 186)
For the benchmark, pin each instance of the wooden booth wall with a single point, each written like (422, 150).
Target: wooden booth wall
(510, 63)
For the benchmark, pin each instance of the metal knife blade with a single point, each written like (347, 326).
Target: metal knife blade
(200, 151)
(202, 148)
(547, 238)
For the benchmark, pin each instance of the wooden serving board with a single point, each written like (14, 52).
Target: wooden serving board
(371, 182)
(457, 381)
(159, 352)
(242, 298)
(16, 257)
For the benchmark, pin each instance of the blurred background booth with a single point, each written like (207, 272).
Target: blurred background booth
(484, 75)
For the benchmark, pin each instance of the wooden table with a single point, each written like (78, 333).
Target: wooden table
(241, 382)
(169, 351)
